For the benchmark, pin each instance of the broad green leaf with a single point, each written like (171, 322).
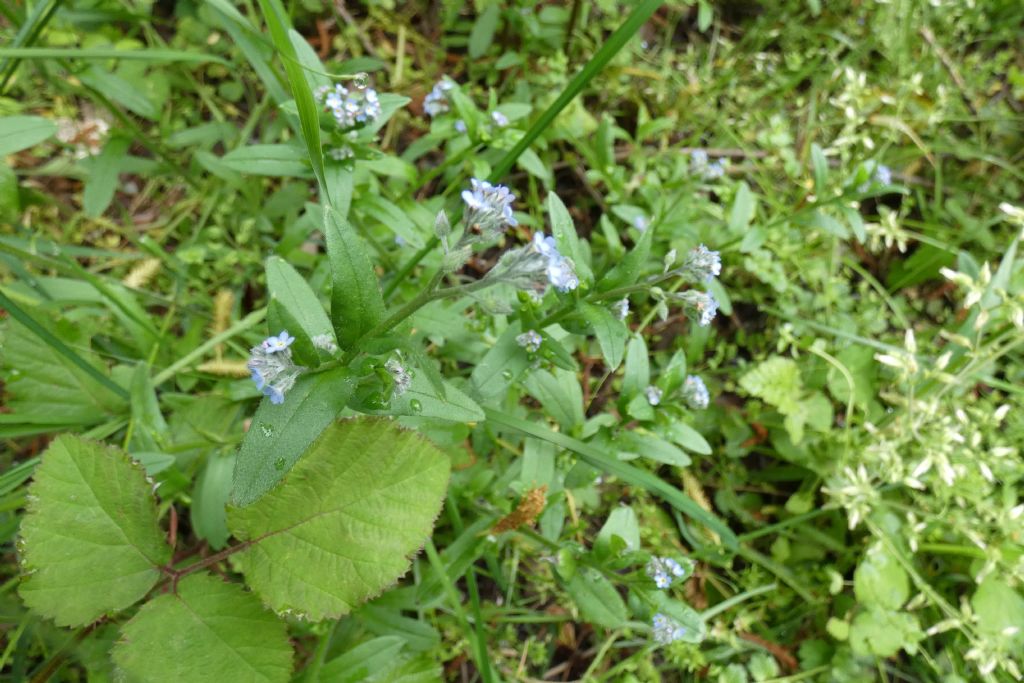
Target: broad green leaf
(422, 399)
(597, 599)
(482, 35)
(627, 271)
(688, 437)
(281, 433)
(611, 333)
(21, 132)
(564, 231)
(206, 631)
(638, 368)
(744, 206)
(621, 531)
(210, 499)
(883, 633)
(1000, 612)
(343, 524)
(690, 619)
(91, 541)
(880, 580)
(653, 447)
(45, 387)
(560, 394)
(268, 160)
(119, 90)
(300, 304)
(356, 301)
(102, 180)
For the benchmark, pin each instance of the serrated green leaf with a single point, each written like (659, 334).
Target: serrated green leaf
(597, 598)
(206, 631)
(92, 544)
(777, 382)
(21, 132)
(356, 301)
(611, 333)
(883, 633)
(45, 387)
(880, 580)
(343, 524)
(280, 434)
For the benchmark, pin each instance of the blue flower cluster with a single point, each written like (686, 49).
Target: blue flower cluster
(700, 307)
(436, 101)
(530, 340)
(709, 171)
(560, 271)
(695, 393)
(488, 206)
(350, 108)
(664, 571)
(667, 630)
(272, 368)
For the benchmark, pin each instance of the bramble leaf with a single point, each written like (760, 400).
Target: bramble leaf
(208, 630)
(342, 525)
(91, 542)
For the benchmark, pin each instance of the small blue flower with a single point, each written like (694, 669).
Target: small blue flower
(436, 101)
(460, 126)
(530, 340)
(281, 342)
(641, 223)
(500, 120)
(701, 265)
(695, 393)
(698, 160)
(653, 395)
(883, 175)
(621, 308)
(667, 630)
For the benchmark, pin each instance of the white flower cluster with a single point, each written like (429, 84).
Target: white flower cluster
(350, 108)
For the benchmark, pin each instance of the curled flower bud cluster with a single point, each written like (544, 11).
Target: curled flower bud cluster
(695, 393)
(701, 265)
(530, 340)
(653, 395)
(488, 207)
(621, 308)
(560, 271)
(436, 101)
(272, 368)
(350, 108)
(667, 630)
(535, 266)
(401, 377)
(700, 307)
(664, 571)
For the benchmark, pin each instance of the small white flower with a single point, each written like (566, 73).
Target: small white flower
(653, 395)
(621, 308)
(400, 376)
(695, 393)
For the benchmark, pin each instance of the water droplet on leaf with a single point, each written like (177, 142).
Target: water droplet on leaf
(416, 406)
(279, 464)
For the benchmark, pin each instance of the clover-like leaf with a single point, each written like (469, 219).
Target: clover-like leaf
(90, 540)
(207, 630)
(343, 523)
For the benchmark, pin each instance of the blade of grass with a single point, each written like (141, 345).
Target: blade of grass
(309, 121)
(616, 41)
(624, 471)
(59, 346)
(27, 34)
(109, 53)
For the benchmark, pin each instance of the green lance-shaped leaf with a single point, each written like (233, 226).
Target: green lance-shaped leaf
(90, 541)
(21, 132)
(296, 308)
(356, 302)
(281, 433)
(342, 525)
(208, 630)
